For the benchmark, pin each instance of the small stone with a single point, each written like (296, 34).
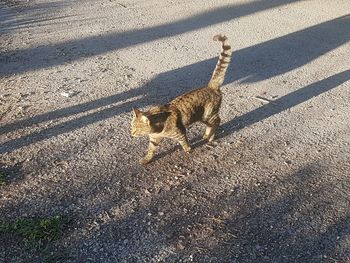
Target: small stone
(67, 94)
(288, 162)
(161, 213)
(24, 95)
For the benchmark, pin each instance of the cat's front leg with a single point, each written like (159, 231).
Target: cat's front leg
(153, 143)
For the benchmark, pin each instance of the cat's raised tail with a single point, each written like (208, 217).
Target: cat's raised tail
(221, 66)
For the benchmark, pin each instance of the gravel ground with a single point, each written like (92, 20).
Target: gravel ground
(275, 189)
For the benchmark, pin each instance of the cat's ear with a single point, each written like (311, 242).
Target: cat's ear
(137, 112)
(145, 119)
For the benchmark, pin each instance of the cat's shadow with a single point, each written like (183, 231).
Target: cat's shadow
(195, 142)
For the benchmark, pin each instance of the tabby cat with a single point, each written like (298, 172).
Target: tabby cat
(172, 119)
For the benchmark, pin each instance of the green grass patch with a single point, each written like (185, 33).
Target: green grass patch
(2, 179)
(36, 233)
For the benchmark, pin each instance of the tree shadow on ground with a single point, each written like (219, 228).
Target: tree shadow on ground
(95, 45)
(283, 221)
(286, 102)
(18, 14)
(255, 63)
(11, 173)
(263, 112)
(297, 217)
(290, 227)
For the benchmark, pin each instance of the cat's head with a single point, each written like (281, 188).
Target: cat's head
(141, 124)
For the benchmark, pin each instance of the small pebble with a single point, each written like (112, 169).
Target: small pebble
(288, 162)
(67, 94)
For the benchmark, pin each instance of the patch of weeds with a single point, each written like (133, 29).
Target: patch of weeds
(2, 179)
(36, 233)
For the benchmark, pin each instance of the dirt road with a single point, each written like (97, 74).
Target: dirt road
(275, 189)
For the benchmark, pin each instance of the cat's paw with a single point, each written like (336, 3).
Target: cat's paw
(144, 161)
(188, 149)
(212, 144)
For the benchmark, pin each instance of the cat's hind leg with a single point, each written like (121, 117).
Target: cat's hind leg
(212, 124)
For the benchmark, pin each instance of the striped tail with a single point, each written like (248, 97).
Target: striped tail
(224, 59)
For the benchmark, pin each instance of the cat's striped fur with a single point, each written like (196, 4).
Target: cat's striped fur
(172, 119)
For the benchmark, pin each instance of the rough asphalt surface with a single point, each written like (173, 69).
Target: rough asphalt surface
(275, 189)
